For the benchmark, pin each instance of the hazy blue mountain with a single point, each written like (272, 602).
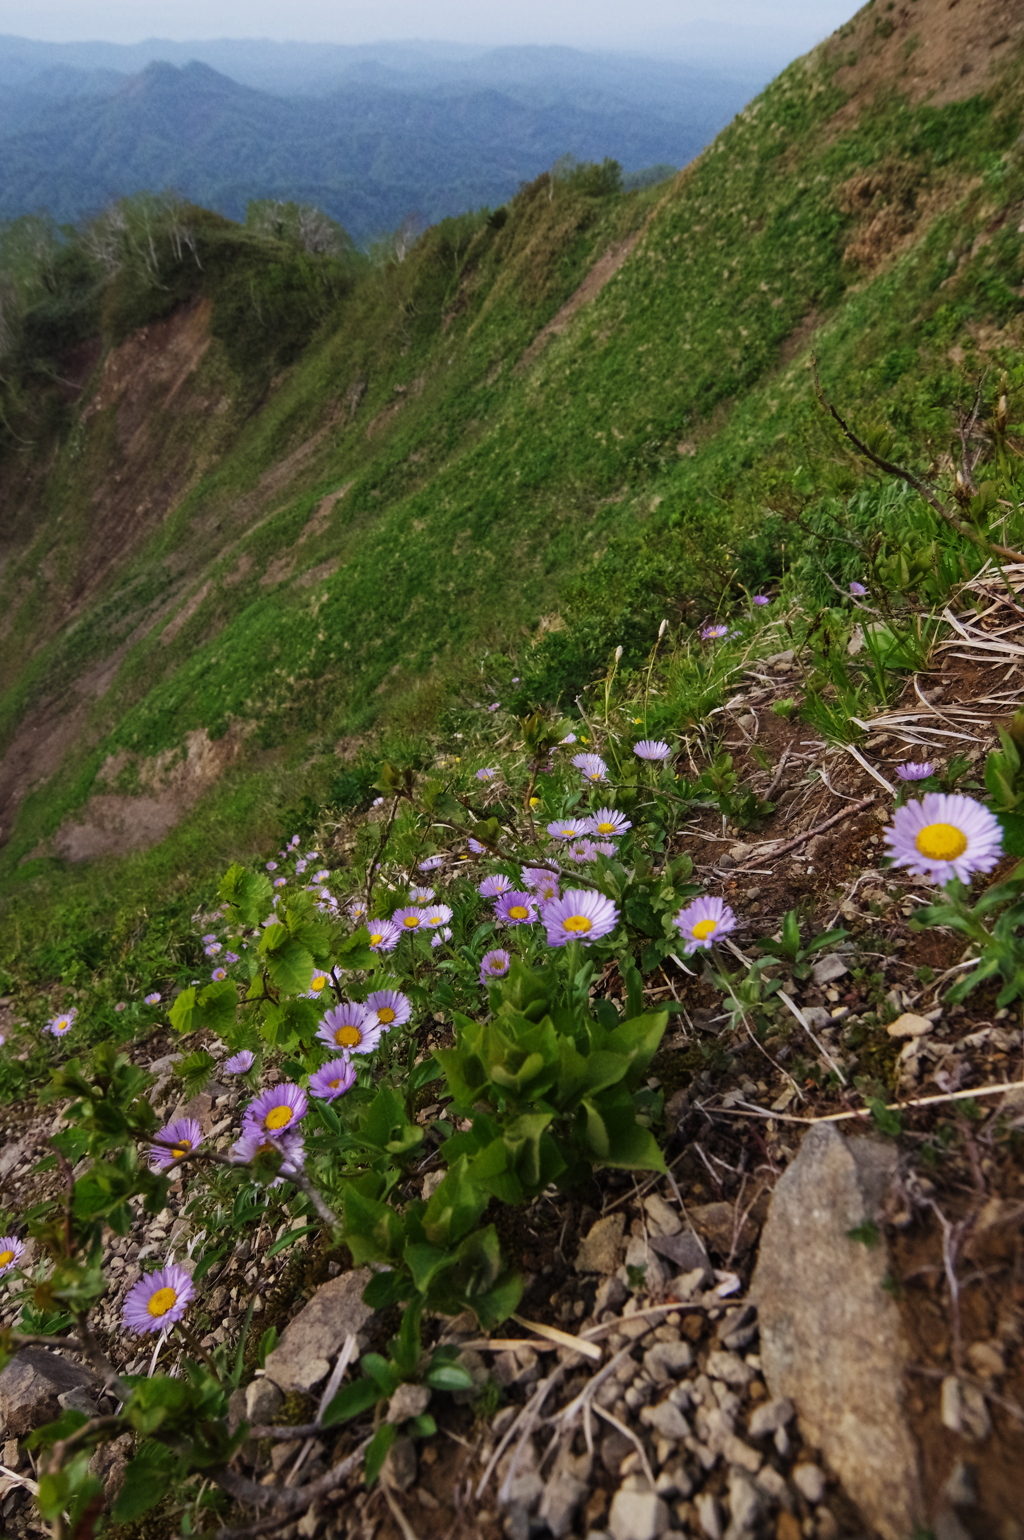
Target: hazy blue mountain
(368, 151)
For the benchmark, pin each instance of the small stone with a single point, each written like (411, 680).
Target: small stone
(30, 1388)
(946, 1526)
(787, 1527)
(666, 1361)
(986, 1359)
(611, 1295)
(964, 1410)
(809, 1481)
(773, 1483)
(665, 1419)
(562, 1496)
(408, 1401)
(637, 1515)
(826, 1525)
(745, 1503)
(640, 1254)
(314, 1337)
(909, 1025)
(401, 1466)
(685, 1249)
(716, 1223)
(828, 968)
(601, 1248)
(662, 1215)
(770, 1417)
(614, 1449)
(687, 1285)
(729, 1368)
(674, 1481)
(959, 1487)
(263, 1401)
(709, 1516)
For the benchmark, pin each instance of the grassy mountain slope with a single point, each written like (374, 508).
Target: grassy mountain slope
(222, 576)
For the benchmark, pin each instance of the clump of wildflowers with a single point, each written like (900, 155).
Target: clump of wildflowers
(159, 1300)
(591, 766)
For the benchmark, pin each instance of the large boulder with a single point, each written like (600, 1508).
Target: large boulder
(31, 1387)
(831, 1337)
(313, 1339)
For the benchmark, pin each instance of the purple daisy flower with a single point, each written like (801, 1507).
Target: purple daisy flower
(858, 590)
(944, 836)
(579, 915)
(356, 911)
(281, 1107)
(334, 1079)
(486, 775)
(712, 633)
(217, 974)
(210, 937)
(351, 1028)
(652, 748)
(254, 1141)
(476, 847)
(760, 599)
(239, 1062)
(543, 885)
(391, 1008)
(122, 1005)
(159, 1300)
(704, 921)
(421, 895)
(912, 772)
(153, 998)
(516, 909)
(442, 935)
(494, 885)
(591, 766)
(495, 964)
(568, 828)
(11, 1252)
(230, 957)
(409, 918)
(300, 867)
(271, 866)
(322, 875)
(431, 863)
(608, 823)
(176, 1139)
(316, 986)
(581, 850)
(437, 914)
(58, 1025)
(569, 738)
(494, 706)
(213, 948)
(280, 882)
(384, 935)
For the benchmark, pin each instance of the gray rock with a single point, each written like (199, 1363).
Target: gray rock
(400, 1466)
(685, 1249)
(770, 1417)
(666, 1361)
(263, 1401)
(667, 1420)
(964, 1409)
(408, 1401)
(745, 1504)
(959, 1488)
(946, 1526)
(809, 1481)
(31, 1387)
(77, 1400)
(314, 1338)
(601, 1248)
(566, 1489)
(828, 968)
(611, 1295)
(640, 1253)
(730, 1368)
(614, 1449)
(665, 1219)
(674, 1481)
(831, 1338)
(774, 1484)
(709, 1516)
(637, 1514)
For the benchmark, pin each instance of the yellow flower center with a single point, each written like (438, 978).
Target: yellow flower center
(332, 1085)
(319, 982)
(181, 1148)
(535, 802)
(941, 842)
(606, 828)
(5, 1257)
(348, 1037)
(518, 912)
(278, 1117)
(704, 928)
(377, 936)
(578, 924)
(412, 920)
(162, 1301)
(386, 1014)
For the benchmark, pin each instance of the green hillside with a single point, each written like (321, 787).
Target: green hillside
(299, 505)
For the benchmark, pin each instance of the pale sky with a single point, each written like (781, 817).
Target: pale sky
(780, 29)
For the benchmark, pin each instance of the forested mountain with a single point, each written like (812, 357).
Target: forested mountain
(373, 137)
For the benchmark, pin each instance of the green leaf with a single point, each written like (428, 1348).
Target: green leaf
(147, 1478)
(292, 1237)
(885, 1120)
(181, 1012)
(385, 1289)
(866, 1233)
(449, 1377)
(1013, 833)
(249, 892)
(289, 963)
(382, 1372)
(377, 1453)
(207, 1260)
(351, 1401)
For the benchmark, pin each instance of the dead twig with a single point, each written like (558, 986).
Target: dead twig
(774, 851)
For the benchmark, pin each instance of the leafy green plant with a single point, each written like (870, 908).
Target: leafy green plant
(790, 949)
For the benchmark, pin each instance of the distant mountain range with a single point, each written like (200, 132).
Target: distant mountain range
(369, 134)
